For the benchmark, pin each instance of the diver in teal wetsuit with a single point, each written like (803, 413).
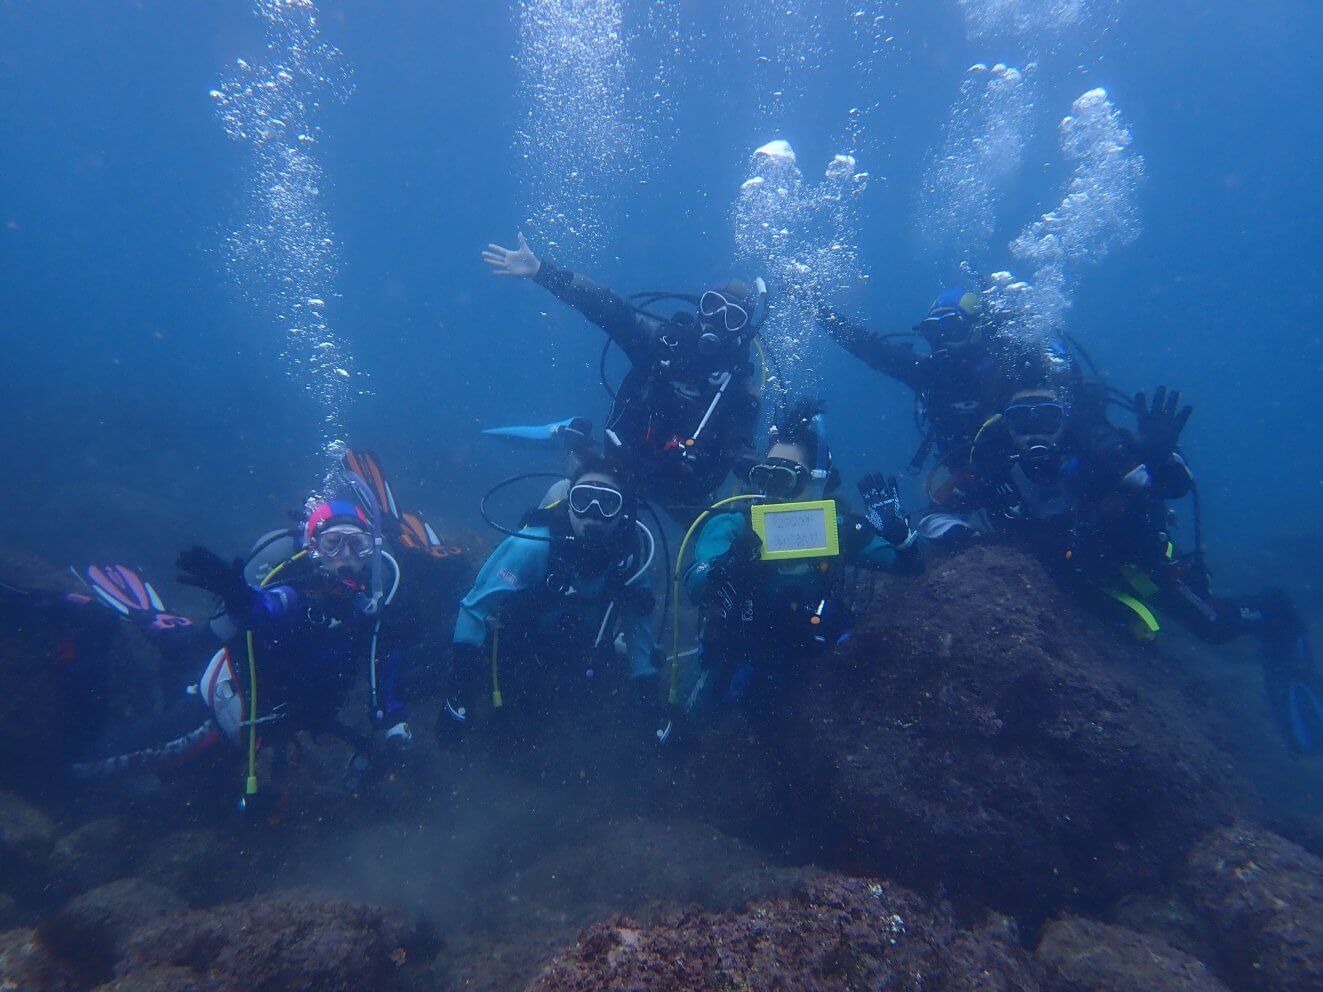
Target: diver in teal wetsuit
(766, 620)
(548, 606)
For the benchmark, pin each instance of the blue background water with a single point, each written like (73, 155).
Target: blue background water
(147, 407)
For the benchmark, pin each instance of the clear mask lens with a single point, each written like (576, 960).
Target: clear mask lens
(733, 316)
(1035, 418)
(602, 501)
(776, 478)
(945, 328)
(336, 544)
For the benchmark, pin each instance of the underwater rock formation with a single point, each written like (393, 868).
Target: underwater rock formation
(1080, 955)
(835, 933)
(97, 924)
(1264, 898)
(983, 733)
(92, 854)
(26, 838)
(26, 964)
(279, 943)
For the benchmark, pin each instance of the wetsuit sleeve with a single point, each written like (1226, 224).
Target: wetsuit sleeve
(741, 449)
(1114, 456)
(517, 564)
(873, 551)
(273, 608)
(714, 545)
(635, 333)
(637, 628)
(903, 364)
(390, 684)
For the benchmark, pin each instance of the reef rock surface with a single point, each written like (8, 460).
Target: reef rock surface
(1264, 897)
(1087, 956)
(835, 933)
(984, 733)
(286, 943)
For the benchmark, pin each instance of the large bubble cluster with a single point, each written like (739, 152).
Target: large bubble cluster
(580, 134)
(1041, 18)
(283, 255)
(982, 147)
(802, 236)
(1098, 213)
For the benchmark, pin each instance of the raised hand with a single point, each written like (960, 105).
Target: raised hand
(519, 262)
(1161, 423)
(882, 508)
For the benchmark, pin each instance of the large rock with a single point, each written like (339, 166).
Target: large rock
(835, 934)
(26, 838)
(1087, 956)
(1264, 897)
(287, 943)
(165, 979)
(1166, 916)
(93, 854)
(982, 732)
(26, 965)
(93, 927)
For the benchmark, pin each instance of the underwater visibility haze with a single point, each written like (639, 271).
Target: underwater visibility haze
(707, 535)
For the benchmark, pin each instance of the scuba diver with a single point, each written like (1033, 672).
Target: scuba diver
(768, 613)
(305, 634)
(1090, 501)
(957, 384)
(67, 643)
(687, 410)
(557, 604)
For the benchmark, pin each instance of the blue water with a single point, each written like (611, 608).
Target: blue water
(152, 399)
(140, 389)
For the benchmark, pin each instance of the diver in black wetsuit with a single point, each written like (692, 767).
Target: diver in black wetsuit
(686, 413)
(1090, 501)
(958, 384)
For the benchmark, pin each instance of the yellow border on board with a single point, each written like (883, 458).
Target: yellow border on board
(760, 513)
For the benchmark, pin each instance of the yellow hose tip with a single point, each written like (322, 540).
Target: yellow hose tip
(251, 788)
(497, 701)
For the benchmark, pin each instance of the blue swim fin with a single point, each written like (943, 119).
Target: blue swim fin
(572, 432)
(1306, 715)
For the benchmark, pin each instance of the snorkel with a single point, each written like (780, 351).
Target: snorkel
(822, 468)
(373, 604)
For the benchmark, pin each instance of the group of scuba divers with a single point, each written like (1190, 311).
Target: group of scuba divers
(1024, 454)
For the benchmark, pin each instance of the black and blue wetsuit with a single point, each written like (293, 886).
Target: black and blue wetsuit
(765, 621)
(666, 394)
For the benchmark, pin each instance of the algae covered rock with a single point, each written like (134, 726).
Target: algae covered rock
(27, 836)
(282, 943)
(1264, 898)
(1087, 956)
(28, 965)
(97, 924)
(983, 732)
(834, 934)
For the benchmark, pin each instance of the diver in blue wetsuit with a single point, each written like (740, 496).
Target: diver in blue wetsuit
(563, 606)
(766, 620)
(686, 413)
(1090, 501)
(315, 627)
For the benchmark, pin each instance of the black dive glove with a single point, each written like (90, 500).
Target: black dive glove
(207, 570)
(455, 720)
(882, 508)
(1160, 424)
